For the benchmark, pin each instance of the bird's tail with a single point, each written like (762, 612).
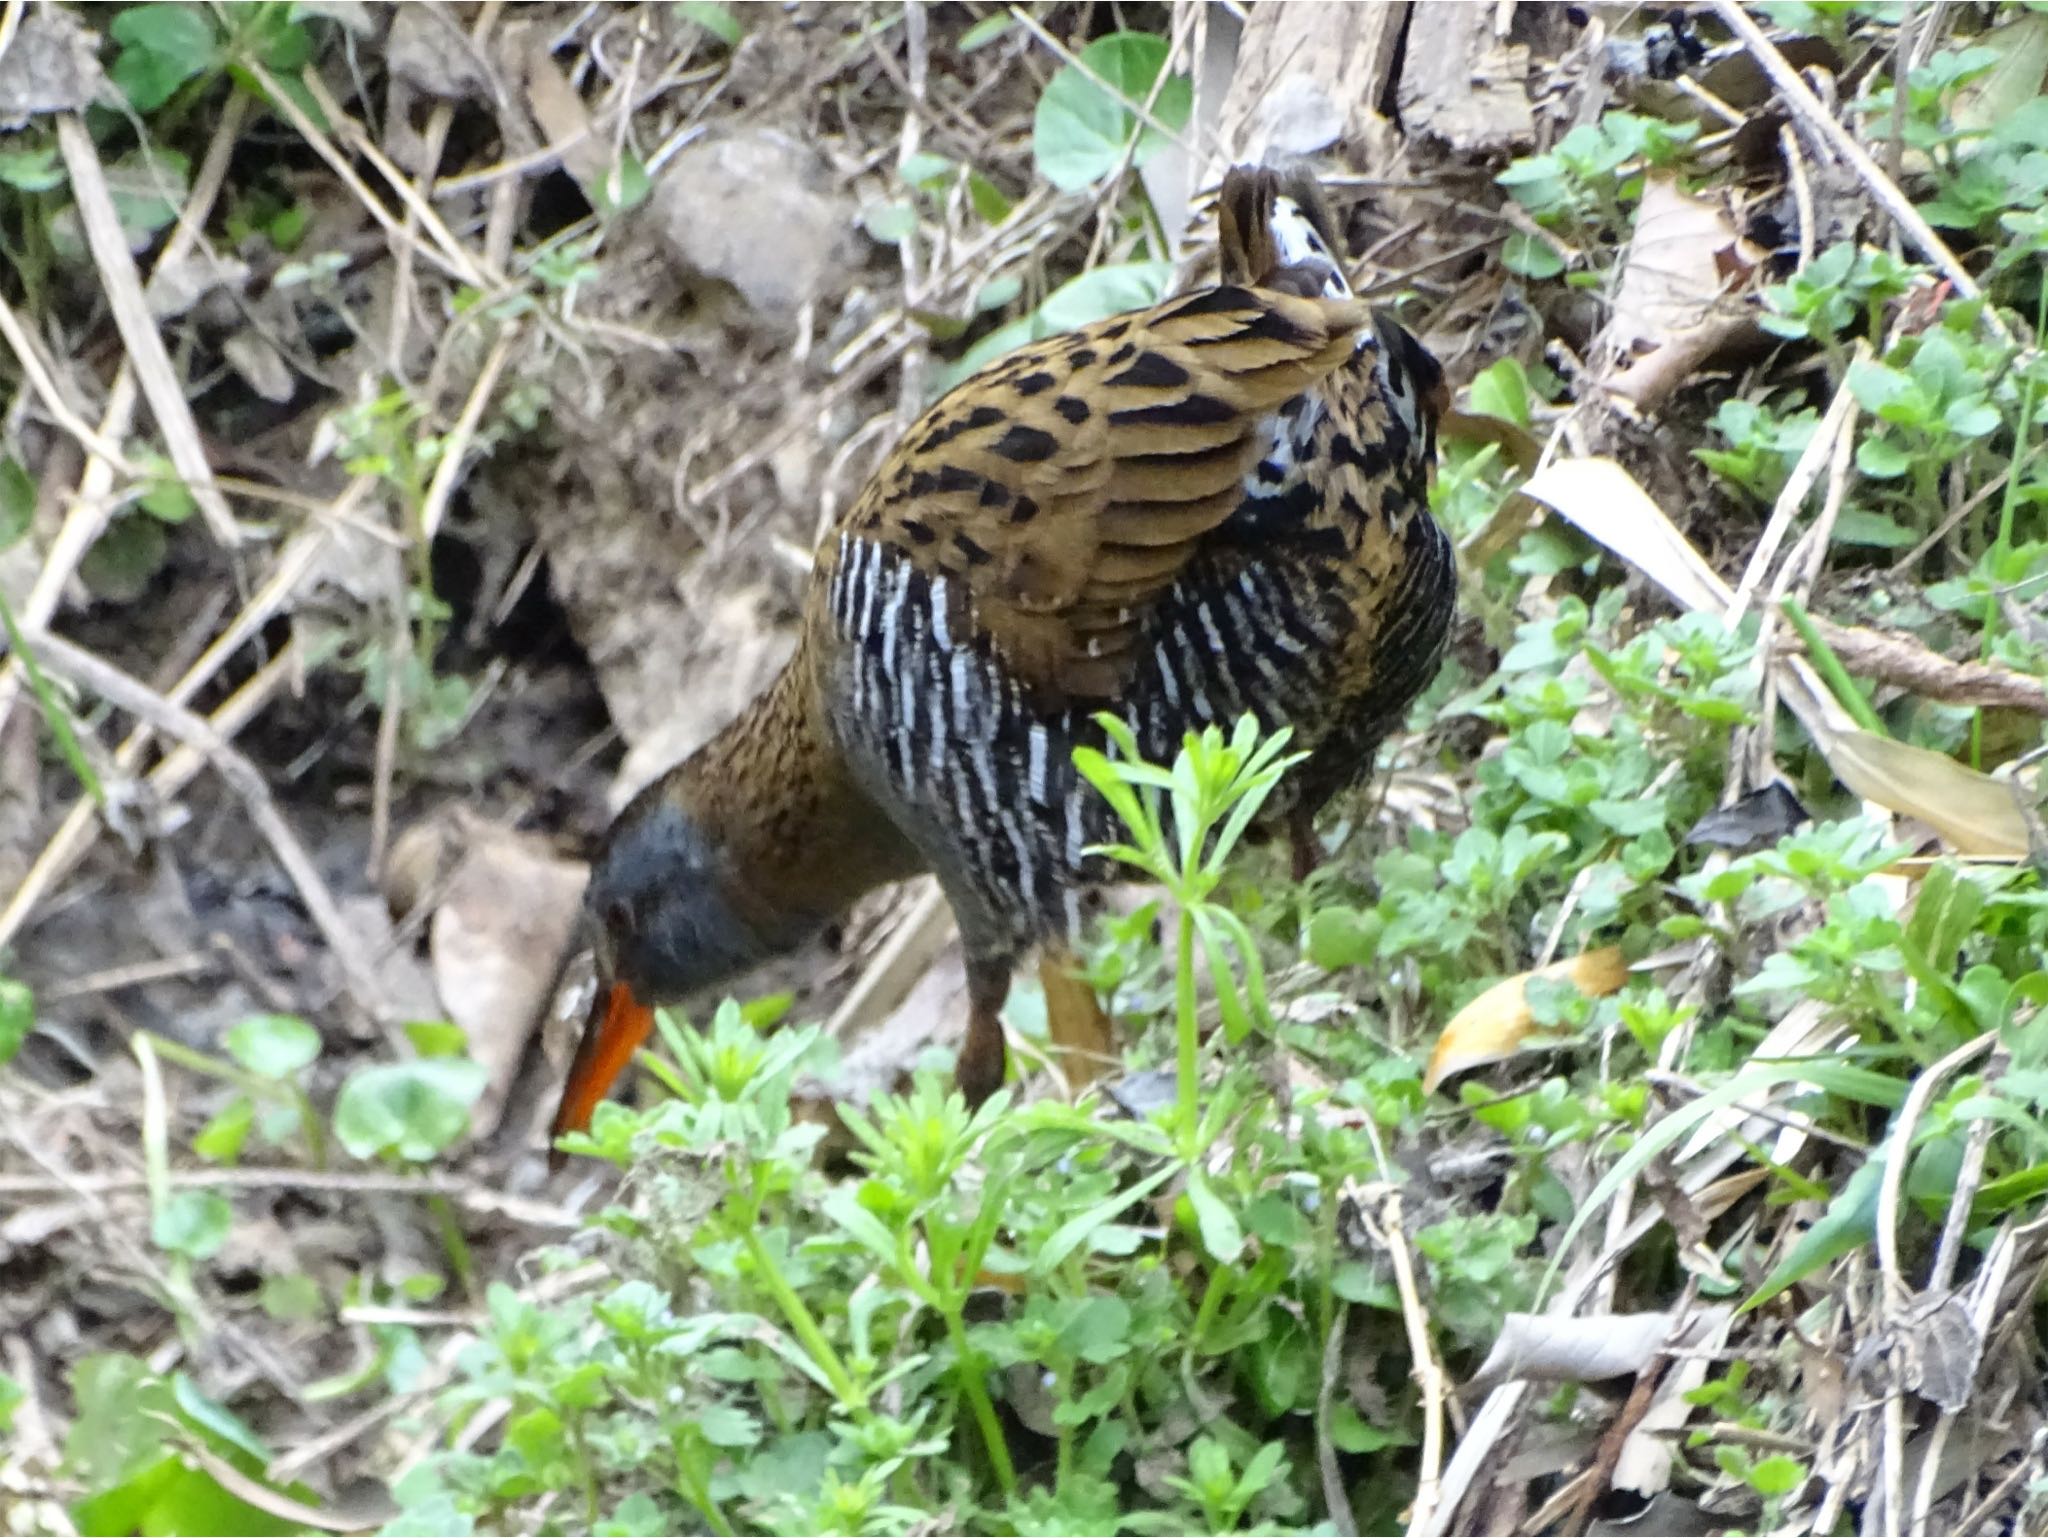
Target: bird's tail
(1274, 230)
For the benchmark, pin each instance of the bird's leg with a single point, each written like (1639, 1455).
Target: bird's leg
(1081, 1035)
(979, 1070)
(1301, 837)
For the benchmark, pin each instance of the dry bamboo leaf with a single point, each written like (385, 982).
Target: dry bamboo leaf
(1974, 813)
(1585, 1349)
(1603, 501)
(1493, 1025)
(500, 928)
(1644, 1464)
(1670, 282)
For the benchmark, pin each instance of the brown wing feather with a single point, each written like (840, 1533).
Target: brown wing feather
(1062, 490)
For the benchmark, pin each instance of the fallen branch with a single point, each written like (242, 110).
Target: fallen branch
(1907, 663)
(83, 669)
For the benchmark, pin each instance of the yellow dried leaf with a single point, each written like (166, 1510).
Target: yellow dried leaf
(1974, 813)
(1493, 1025)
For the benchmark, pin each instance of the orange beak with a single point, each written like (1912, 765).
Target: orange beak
(618, 1025)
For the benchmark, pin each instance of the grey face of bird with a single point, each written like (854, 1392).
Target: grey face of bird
(661, 909)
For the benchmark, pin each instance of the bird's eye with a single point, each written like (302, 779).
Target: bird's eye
(619, 917)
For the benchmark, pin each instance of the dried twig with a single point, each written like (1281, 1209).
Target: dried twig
(1807, 107)
(1908, 663)
(473, 1195)
(161, 386)
(1835, 424)
(87, 671)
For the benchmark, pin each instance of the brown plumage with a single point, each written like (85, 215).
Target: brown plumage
(1215, 505)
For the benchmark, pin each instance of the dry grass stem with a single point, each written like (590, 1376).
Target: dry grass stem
(86, 671)
(1806, 106)
(161, 386)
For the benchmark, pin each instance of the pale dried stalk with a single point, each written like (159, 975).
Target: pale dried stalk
(161, 386)
(467, 1194)
(93, 503)
(1797, 485)
(1807, 107)
(84, 670)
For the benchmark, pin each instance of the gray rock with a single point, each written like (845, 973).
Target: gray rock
(760, 211)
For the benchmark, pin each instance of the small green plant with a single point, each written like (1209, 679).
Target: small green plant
(1214, 790)
(1584, 186)
(1002, 1315)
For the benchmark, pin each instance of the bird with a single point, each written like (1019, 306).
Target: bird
(1214, 505)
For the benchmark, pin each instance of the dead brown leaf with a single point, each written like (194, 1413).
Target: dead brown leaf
(1583, 1349)
(1493, 1025)
(1673, 310)
(503, 920)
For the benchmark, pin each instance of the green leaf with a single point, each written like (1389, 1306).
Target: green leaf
(924, 169)
(437, 1038)
(625, 185)
(888, 223)
(34, 170)
(728, 1426)
(17, 1017)
(1222, 1235)
(1502, 390)
(1527, 257)
(1081, 129)
(11, 1395)
(716, 19)
(273, 1046)
(1777, 1476)
(167, 500)
(221, 1140)
(411, 1111)
(194, 1224)
(639, 1515)
(1070, 1234)
(293, 1298)
(220, 1424)
(989, 203)
(1342, 937)
(121, 562)
(162, 47)
(986, 31)
(1882, 460)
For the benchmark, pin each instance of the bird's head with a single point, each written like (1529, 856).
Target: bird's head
(667, 917)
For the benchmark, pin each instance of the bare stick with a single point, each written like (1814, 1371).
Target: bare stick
(468, 1194)
(1797, 485)
(89, 672)
(1807, 106)
(145, 345)
(44, 384)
